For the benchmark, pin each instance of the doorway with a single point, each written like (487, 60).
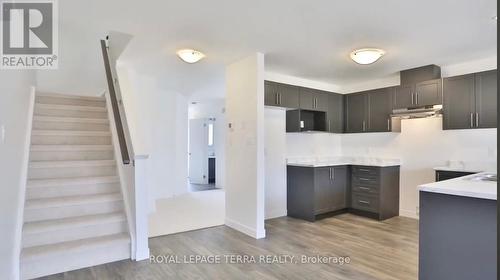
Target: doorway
(202, 156)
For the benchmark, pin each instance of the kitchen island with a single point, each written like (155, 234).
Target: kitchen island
(458, 228)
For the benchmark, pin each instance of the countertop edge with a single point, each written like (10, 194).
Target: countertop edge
(458, 193)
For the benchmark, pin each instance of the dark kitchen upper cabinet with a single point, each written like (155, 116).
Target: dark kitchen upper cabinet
(470, 101)
(486, 99)
(270, 94)
(335, 113)
(355, 112)
(428, 93)
(281, 95)
(305, 120)
(403, 97)
(379, 109)
(417, 95)
(458, 99)
(311, 99)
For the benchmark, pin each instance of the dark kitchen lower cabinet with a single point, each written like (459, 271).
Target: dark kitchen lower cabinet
(457, 237)
(470, 101)
(314, 192)
(375, 191)
(442, 175)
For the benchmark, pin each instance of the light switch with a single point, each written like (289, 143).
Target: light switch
(2, 133)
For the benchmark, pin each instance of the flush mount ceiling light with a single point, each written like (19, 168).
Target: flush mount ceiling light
(190, 56)
(367, 55)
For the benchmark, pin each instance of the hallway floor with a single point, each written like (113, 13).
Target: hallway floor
(377, 250)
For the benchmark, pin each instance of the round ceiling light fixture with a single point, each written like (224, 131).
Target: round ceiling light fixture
(190, 56)
(367, 55)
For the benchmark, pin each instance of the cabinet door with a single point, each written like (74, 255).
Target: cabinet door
(428, 93)
(339, 187)
(403, 97)
(458, 102)
(379, 109)
(323, 191)
(288, 96)
(306, 99)
(355, 113)
(335, 113)
(320, 101)
(486, 99)
(270, 93)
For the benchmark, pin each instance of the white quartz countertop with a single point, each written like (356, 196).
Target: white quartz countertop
(458, 169)
(336, 161)
(463, 186)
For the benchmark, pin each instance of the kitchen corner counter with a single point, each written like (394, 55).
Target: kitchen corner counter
(323, 162)
(464, 186)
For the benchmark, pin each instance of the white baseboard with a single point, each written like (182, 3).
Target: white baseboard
(408, 214)
(275, 213)
(257, 234)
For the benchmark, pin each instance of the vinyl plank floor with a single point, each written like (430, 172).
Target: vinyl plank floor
(377, 250)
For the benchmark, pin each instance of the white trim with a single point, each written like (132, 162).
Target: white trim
(408, 214)
(257, 234)
(22, 185)
(141, 208)
(275, 213)
(122, 171)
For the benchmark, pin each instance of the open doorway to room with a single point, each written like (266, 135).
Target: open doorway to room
(206, 145)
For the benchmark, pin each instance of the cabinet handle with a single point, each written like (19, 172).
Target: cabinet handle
(330, 125)
(364, 179)
(477, 119)
(416, 98)
(364, 202)
(364, 126)
(329, 173)
(333, 174)
(412, 98)
(388, 124)
(364, 170)
(276, 99)
(364, 188)
(471, 120)
(281, 98)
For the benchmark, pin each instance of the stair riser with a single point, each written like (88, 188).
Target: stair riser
(81, 126)
(71, 172)
(70, 140)
(70, 234)
(70, 155)
(60, 191)
(71, 261)
(40, 214)
(70, 101)
(70, 113)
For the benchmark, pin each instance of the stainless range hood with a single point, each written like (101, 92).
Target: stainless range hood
(415, 113)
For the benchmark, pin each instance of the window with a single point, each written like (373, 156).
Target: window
(210, 134)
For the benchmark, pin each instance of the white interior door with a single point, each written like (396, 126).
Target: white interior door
(198, 151)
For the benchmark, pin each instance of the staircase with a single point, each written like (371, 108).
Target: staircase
(74, 212)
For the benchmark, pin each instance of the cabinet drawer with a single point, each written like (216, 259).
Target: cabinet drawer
(360, 189)
(365, 202)
(363, 180)
(365, 171)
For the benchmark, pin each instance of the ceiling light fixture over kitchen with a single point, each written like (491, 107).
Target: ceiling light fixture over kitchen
(367, 55)
(190, 56)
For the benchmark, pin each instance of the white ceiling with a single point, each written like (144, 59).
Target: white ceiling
(306, 39)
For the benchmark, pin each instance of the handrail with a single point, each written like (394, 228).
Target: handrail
(114, 104)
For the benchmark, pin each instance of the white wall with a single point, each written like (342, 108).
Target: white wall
(422, 145)
(275, 163)
(214, 109)
(15, 86)
(158, 122)
(245, 145)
